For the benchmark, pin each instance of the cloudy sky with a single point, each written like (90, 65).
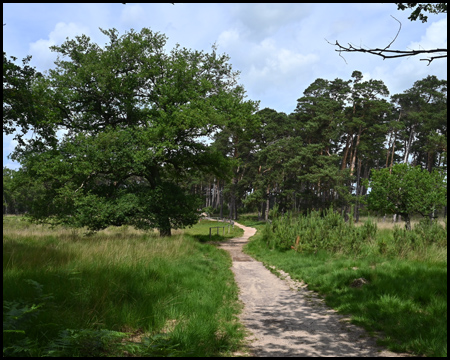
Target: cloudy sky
(280, 49)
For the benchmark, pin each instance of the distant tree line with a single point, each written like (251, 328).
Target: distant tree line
(322, 153)
(133, 134)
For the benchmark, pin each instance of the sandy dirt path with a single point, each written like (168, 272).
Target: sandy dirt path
(286, 319)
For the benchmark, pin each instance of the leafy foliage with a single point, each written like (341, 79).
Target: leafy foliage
(407, 190)
(136, 120)
(139, 130)
(423, 109)
(17, 319)
(18, 97)
(420, 8)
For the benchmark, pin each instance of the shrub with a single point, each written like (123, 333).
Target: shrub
(314, 232)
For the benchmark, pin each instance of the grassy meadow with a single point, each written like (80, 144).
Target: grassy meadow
(404, 300)
(118, 292)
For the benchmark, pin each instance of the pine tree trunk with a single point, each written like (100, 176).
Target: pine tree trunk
(233, 199)
(430, 161)
(358, 190)
(353, 164)
(407, 221)
(392, 155)
(266, 218)
(347, 146)
(408, 145)
(388, 149)
(221, 201)
(263, 210)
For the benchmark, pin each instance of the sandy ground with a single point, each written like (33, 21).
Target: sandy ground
(285, 319)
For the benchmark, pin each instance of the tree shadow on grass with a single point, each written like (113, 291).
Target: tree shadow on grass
(406, 304)
(210, 239)
(31, 256)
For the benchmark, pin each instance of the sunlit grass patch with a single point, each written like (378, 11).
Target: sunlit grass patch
(388, 223)
(213, 231)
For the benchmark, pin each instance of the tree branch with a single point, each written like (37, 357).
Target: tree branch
(385, 53)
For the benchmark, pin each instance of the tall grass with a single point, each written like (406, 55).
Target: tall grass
(117, 292)
(404, 301)
(329, 231)
(316, 232)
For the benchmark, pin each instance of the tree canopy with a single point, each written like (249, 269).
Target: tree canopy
(17, 96)
(135, 122)
(406, 190)
(418, 9)
(322, 153)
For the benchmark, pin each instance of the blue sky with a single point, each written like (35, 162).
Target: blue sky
(280, 49)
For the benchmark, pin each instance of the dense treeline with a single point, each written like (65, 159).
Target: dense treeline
(319, 155)
(133, 134)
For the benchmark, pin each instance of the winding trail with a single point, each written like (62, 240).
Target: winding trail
(286, 319)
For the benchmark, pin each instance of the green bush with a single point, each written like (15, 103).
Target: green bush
(18, 316)
(431, 231)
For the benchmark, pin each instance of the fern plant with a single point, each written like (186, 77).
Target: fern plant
(18, 316)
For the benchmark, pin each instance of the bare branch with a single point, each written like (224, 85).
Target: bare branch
(432, 58)
(386, 53)
(398, 32)
(82, 184)
(339, 51)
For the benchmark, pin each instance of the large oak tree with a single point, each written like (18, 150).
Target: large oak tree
(135, 120)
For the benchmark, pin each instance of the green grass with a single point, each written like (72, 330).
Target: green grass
(202, 230)
(154, 296)
(405, 302)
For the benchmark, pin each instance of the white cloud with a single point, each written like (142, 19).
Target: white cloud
(289, 61)
(228, 38)
(435, 37)
(277, 67)
(280, 49)
(262, 20)
(132, 15)
(410, 69)
(43, 57)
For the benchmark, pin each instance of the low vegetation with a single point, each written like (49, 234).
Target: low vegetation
(401, 296)
(118, 292)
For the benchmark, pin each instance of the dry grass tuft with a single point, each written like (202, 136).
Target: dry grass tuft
(389, 224)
